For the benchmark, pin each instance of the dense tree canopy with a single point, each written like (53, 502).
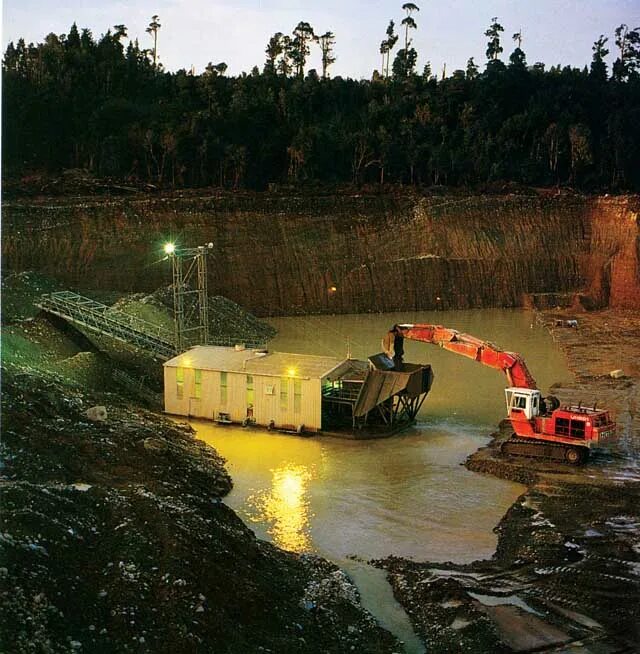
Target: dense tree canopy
(76, 102)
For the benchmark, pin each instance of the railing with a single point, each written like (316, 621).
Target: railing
(341, 394)
(113, 323)
(123, 326)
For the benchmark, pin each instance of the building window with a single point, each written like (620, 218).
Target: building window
(250, 394)
(223, 389)
(284, 394)
(197, 384)
(297, 395)
(179, 383)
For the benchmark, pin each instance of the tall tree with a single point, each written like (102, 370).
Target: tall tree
(384, 49)
(392, 39)
(152, 29)
(284, 63)
(628, 62)
(73, 38)
(517, 59)
(598, 65)
(517, 37)
(405, 61)
(408, 21)
(327, 41)
(302, 36)
(274, 50)
(493, 46)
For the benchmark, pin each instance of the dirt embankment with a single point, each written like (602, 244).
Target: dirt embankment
(566, 572)
(338, 253)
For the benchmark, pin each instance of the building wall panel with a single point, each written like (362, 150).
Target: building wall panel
(266, 393)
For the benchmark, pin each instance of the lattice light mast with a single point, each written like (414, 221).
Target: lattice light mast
(190, 297)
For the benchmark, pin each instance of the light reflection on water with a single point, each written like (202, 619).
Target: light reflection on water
(285, 507)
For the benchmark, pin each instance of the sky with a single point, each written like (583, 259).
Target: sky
(195, 32)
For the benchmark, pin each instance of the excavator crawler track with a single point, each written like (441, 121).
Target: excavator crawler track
(574, 455)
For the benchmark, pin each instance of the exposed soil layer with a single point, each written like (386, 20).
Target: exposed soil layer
(341, 252)
(115, 536)
(566, 572)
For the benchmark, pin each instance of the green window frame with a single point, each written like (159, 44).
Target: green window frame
(223, 389)
(197, 384)
(179, 383)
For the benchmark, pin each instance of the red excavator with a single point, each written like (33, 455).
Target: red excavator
(541, 427)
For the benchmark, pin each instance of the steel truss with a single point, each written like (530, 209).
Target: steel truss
(110, 322)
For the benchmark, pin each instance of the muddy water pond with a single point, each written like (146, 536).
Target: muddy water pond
(409, 495)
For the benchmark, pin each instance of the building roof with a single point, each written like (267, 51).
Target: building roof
(273, 364)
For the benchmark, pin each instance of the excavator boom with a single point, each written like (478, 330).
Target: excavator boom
(511, 363)
(540, 426)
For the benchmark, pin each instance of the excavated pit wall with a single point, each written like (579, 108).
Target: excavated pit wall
(613, 265)
(287, 254)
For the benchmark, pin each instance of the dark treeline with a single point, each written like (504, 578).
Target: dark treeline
(77, 102)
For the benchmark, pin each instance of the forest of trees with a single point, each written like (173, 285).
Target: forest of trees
(74, 101)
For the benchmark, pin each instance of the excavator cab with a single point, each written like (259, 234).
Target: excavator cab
(523, 402)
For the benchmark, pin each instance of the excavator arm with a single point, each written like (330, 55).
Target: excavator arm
(511, 363)
(540, 427)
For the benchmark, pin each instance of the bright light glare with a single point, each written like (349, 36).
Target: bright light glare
(169, 248)
(291, 372)
(287, 508)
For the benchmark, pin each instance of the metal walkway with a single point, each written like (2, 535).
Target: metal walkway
(123, 326)
(110, 322)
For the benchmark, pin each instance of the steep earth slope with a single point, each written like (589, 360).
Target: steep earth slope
(342, 252)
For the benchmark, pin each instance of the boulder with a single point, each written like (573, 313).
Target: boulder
(97, 413)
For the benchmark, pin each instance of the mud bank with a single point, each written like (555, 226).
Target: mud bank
(342, 253)
(116, 537)
(566, 571)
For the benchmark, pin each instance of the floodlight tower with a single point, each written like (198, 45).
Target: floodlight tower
(191, 319)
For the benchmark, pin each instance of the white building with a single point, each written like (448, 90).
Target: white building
(220, 383)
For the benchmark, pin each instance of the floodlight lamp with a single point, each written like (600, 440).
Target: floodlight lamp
(291, 372)
(169, 248)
